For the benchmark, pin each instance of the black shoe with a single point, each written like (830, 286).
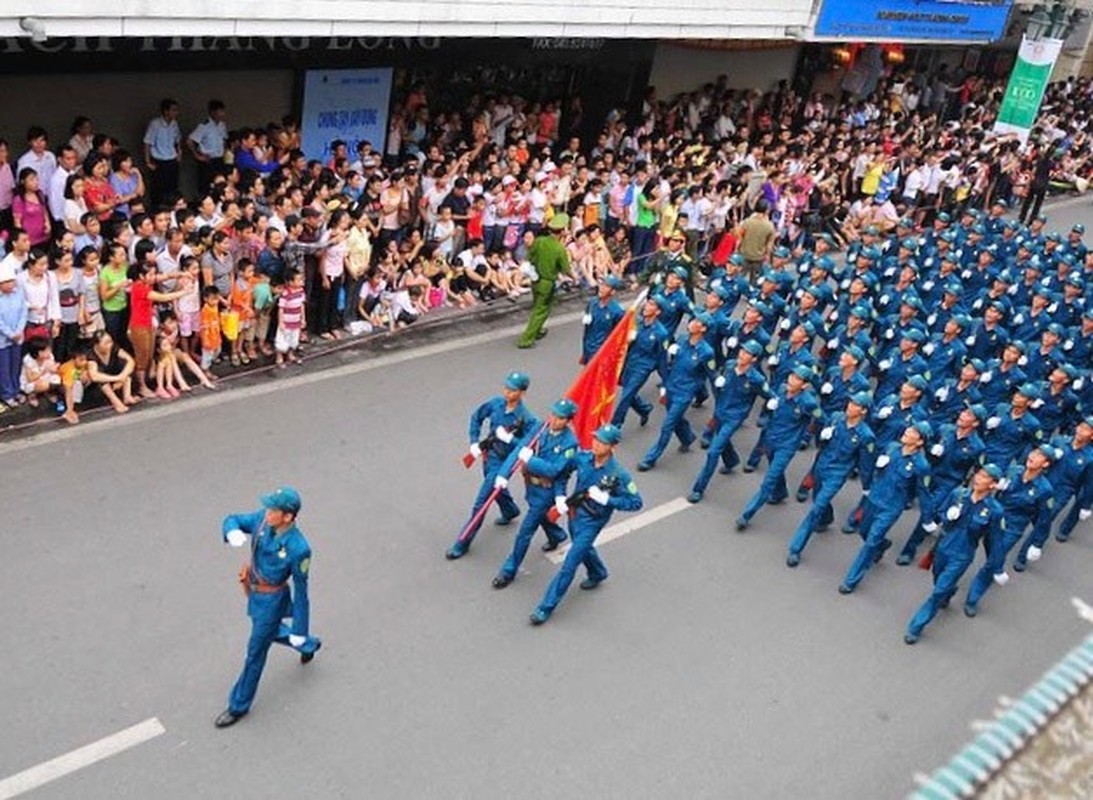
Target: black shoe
(704, 444)
(551, 546)
(307, 658)
(228, 718)
(643, 419)
(793, 559)
(883, 549)
(452, 554)
(503, 521)
(749, 468)
(645, 466)
(501, 581)
(802, 495)
(776, 501)
(725, 470)
(844, 589)
(685, 448)
(970, 610)
(741, 523)
(909, 638)
(588, 584)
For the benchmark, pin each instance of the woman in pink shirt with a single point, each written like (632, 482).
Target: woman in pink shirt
(7, 186)
(29, 208)
(332, 264)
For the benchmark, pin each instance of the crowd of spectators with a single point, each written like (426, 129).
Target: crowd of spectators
(115, 286)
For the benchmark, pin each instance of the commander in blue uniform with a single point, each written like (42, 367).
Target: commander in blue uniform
(507, 420)
(602, 488)
(279, 553)
(600, 317)
(546, 465)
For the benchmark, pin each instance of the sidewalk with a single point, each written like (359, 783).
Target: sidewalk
(318, 354)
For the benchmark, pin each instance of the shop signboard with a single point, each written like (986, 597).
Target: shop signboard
(913, 20)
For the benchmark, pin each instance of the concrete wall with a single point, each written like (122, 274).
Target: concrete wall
(121, 104)
(679, 68)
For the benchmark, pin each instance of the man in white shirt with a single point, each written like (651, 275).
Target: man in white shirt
(206, 142)
(55, 189)
(38, 157)
(161, 152)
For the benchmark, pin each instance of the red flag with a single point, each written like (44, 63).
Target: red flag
(595, 388)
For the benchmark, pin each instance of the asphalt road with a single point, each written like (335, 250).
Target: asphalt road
(702, 668)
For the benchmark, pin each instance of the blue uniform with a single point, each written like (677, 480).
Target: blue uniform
(955, 552)
(588, 520)
(837, 388)
(895, 370)
(951, 398)
(1024, 504)
(959, 455)
(648, 351)
(599, 320)
(1008, 437)
(274, 560)
(545, 477)
(734, 403)
(675, 305)
(1071, 478)
(500, 424)
(1002, 383)
(986, 343)
(847, 448)
(780, 439)
(944, 358)
(691, 365)
(1057, 411)
(895, 478)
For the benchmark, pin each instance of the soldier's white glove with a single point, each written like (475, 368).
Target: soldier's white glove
(719, 382)
(986, 377)
(884, 364)
(1022, 361)
(1084, 514)
(1034, 553)
(827, 433)
(1037, 403)
(673, 348)
(884, 299)
(296, 641)
(773, 361)
(937, 450)
(236, 537)
(970, 340)
(978, 304)
(1018, 319)
(1078, 385)
(929, 527)
(889, 334)
(833, 344)
(942, 394)
(1012, 289)
(586, 319)
(632, 335)
(1053, 308)
(715, 284)
(663, 391)
(772, 404)
(993, 422)
(475, 450)
(928, 285)
(1001, 578)
(1068, 345)
(1002, 484)
(599, 495)
(784, 325)
(501, 482)
(560, 505)
(966, 274)
(928, 349)
(930, 320)
(503, 434)
(732, 341)
(952, 513)
(882, 462)
(525, 454)
(884, 413)
(827, 388)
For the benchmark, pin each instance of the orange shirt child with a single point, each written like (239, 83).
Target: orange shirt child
(210, 328)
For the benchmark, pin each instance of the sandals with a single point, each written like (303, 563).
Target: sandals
(244, 358)
(235, 361)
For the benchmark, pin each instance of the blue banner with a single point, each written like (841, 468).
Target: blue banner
(900, 20)
(346, 104)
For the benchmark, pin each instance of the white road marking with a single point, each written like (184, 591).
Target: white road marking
(60, 766)
(629, 525)
(1085, 611)
(276, 385)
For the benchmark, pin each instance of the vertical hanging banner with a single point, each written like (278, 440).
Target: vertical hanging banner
(1025, 90)
(346, 104)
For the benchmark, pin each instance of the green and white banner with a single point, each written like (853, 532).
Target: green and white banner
(1029, 79)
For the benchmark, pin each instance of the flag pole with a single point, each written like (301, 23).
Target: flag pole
(475, 520)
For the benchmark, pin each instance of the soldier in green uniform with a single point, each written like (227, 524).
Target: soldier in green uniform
(549, 258)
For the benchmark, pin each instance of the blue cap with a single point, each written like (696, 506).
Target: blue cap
(869, 279)
(979, 229)
(954, 286)
(1050, 452)
(924, 429)
(803, 372)
(828, 238)
(913, 335)
(905, 222)
(1017, 344)
(998, 201)
(951, 257)
(808, 327)
(826, 263)
(862, 311)
(979, 410)
(762, 308)
(918, 382)
(781, 251)
(722, 293)
(1077, 228)
(660, 301)
(703, 319)
(963, 320)
(977, 364)
(1030, 390)
(870, 253)
(517, 381)
(753, 347)
(613, 282)
(1005, 276)
(564, 408)
(998, 306)
(1069, 370)
(947, 236)
(1057, 329)
(737, 260)
(609, 434)
(863, 399)
(911, 299)
(680, 272)
(1075, 279)
(854, 352)
(284, 498)
(994, 471)
(909, 243)
(944, 217)
(1054, 236)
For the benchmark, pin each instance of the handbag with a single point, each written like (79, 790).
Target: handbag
(229, 325)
